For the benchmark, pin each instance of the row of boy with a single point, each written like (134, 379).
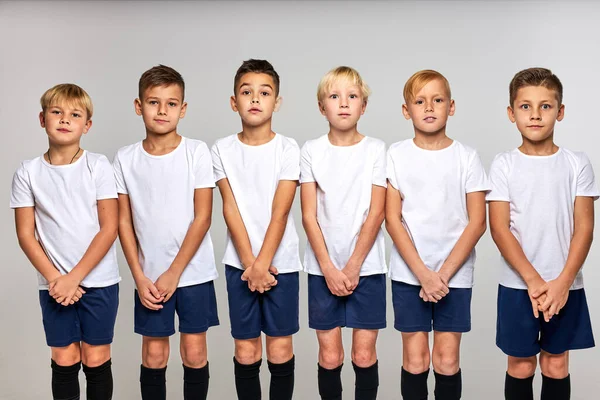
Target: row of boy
(430, 190)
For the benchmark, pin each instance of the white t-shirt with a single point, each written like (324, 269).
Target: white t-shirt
(65, 198)
(434, 185)
(541, 191)
(345, 176)
(253, 173)
(161, 193)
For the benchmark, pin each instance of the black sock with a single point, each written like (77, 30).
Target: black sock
(414, 386)
(518, 389)
(247, 380)
(330, 383)
(367, 382)
(65, 381)
(282, 380)
(195, 382)
(448, 387)
(153, 383)
(556, 389)
(99, 381)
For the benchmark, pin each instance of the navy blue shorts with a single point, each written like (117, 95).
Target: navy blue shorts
(196, 307)
(363, 309)
(451, 314)
(520, 334)
(90, 320)
(274, 312)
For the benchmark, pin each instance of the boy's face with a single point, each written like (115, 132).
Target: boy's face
(535, 111)
(255, 99)
(430, 108)
(161, 108)
(343, 104)
(65, 123)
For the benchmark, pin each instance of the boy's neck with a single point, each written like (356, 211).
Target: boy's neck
(256, 135)
(344, 138)
(435, 141)
(546, 147)
(158, 145)
(63, 154)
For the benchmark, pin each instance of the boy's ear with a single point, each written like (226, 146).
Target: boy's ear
(278, 103)
(452, 108)
(138, 106)
(183, 110)
(42, 120)
(233, 104)
(405, 111)
(87, 126)
(363, 107)
(561, 113)
(321, 107)
(511, 114)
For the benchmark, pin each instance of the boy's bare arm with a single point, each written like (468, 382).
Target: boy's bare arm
(433, 285)
(168, 281)
(147, 292)
(470, 236)
(366, 237)
(337, 282)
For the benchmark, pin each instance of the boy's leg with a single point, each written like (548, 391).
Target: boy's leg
(97, 369)
(415, 365)
(556, 381)
(281, 361)
(247, 362)
(155, 355)
(195, 365)
(364, 362)
(518, 383)
(331, 360)
(66, 362)
(446, 365)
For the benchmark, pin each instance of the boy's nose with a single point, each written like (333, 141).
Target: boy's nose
(64, 120)
(254, 101)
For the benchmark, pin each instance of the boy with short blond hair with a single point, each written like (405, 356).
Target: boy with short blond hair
(343, 205)
(542, 220)
(435, 214)
(165, 185)
(257, 171)
(66, 218)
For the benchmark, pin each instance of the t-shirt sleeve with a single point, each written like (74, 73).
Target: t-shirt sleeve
(390, 170)
(203, 168)
(477, 180)
(498, 181)
(104, 178)
(118, 173)
(21, 194)
(586, 181)
(306, 174)
(379, 169)
(218, 171)
(290, 168)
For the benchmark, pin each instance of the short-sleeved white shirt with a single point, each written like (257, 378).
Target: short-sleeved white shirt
(345, 176)
(254, 173)
(65, 198)
(541, 191)
(161, 192)
(434, 185)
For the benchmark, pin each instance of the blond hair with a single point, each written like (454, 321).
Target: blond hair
(418, 81)
(344, 73)
(67, 93)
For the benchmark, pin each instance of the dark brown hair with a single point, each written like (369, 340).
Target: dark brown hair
(258, 67)
(535, 77)
(161, 75)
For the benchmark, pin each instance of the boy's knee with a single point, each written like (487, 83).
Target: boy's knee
(66, 356)
(279, 353)
(416, 361)
(554, 366)
(155, 354)
(445, 362)
(248, 351)
(364, 357)
(194, 357)
(331, 358)
(94, 356)
(521, 367)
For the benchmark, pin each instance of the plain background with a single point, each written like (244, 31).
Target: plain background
(105, 47)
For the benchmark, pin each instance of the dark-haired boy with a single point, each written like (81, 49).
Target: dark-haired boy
(165, 187)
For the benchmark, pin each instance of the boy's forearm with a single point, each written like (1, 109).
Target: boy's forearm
(366, 237)
(95, 252)
(463, 247)
(273, 237)
(38, 258)
(578, 251)
(130, 249)
(317, 240)
(191, 243)
(239, 234)
(404, 244)
(513, 253)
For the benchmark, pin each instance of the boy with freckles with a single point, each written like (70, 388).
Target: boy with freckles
(257, 171)
(435, 215)
(541, 206)
(343, 200)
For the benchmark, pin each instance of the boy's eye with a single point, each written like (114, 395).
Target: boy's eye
(419, 102)
(525, 106)
(245, 92)
(153, 102)
(76, 115)
(55, 112)
(172, 104)
(546, 106)
(439, 100)
(333, 96)
(265, 93)
(353, 96)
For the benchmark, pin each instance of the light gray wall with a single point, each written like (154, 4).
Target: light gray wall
(105, 46)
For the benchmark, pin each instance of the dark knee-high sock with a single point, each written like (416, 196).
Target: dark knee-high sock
(195, 382)
(330, 383)
(153, 383)
(65, 381)
(247, 380)
(282, 380)
(448, 387)
(367, 382)
(414, 386)
(556, 389)
(99, 381)
(518, 389)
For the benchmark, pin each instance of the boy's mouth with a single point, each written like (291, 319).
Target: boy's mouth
(535, 126)
(161, 121)
(63, 130)
(254, 110)
(429, 119)
(344, 114)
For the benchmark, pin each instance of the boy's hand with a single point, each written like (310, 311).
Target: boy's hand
(539, 288)
(337, 281)
(259, 278)
(433, 286)
(557, 294)
(540, 301)
(166, 284)
(352, 271)
(148, 293)
(63, 288)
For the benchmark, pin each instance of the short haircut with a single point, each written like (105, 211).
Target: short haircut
(257, 67)
(160, 75)
(68, 93)
(418, 81)
(344, 73)
(535, 77)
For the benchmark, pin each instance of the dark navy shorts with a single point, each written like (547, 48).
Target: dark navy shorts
(363, 309)
(90, 320)
(196, 307)
(520, 334)
(274, 312)
(450, 314)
